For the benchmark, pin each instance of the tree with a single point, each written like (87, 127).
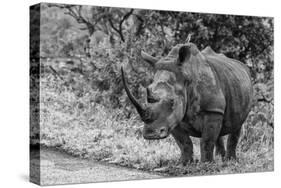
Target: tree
(107, 19)
(245, 38)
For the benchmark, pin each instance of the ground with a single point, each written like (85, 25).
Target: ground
(60, 168)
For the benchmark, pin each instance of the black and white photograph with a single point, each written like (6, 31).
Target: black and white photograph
(130, 94)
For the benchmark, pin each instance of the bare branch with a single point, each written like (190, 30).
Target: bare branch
(125, 17)
(264, 99)
(112, 25)
(55, 73)
(77, 13)
(119, 30)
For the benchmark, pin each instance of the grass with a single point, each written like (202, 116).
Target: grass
(81, 127)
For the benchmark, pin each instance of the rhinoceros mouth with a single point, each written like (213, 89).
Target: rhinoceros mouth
(154, 137)
(150, 134)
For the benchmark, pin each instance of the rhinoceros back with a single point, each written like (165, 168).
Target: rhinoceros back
(235, 81)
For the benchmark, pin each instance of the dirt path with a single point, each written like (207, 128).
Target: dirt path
(60, 168)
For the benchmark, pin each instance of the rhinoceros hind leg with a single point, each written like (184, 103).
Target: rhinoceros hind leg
(220, 149)
(231, 145)
(185, 144)
(211, 128)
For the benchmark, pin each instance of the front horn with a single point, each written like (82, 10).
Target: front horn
(148, 58)
(141, 110)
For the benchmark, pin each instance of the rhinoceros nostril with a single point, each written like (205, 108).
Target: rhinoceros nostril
(163, 131)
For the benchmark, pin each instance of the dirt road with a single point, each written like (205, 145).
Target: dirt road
(60, 168)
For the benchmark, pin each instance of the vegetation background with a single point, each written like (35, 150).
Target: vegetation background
(84, 110)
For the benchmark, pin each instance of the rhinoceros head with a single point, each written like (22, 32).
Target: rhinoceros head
(166, 96)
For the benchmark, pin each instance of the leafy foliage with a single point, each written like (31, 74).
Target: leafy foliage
(86, 129)
(125, 32)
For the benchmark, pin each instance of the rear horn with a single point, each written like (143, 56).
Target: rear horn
(148, 58)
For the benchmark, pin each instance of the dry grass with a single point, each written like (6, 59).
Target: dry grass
(83, 128)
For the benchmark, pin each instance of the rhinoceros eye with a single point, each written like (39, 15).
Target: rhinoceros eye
(151, 98)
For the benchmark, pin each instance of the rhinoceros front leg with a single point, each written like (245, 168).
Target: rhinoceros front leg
(185, 144)
(210, 132)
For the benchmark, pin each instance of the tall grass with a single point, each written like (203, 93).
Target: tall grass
(71, 120)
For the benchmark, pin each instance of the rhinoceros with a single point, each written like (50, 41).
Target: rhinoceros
(195, 94)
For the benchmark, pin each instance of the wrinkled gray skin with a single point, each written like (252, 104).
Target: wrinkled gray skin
(199, 94)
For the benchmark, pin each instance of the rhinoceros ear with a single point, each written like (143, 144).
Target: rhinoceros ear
(150, 59)
(184, 54)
